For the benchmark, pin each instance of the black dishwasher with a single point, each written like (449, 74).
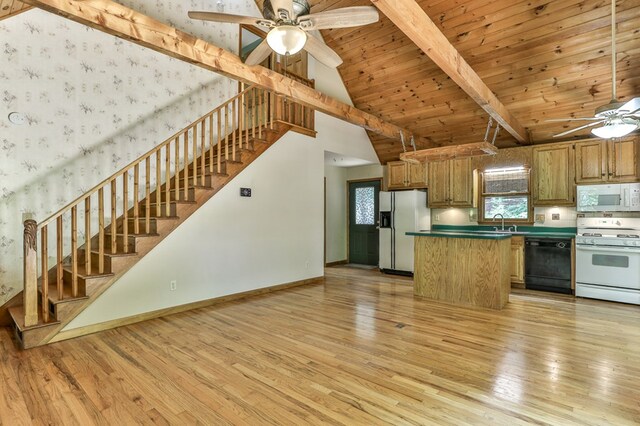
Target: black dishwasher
(547, 264)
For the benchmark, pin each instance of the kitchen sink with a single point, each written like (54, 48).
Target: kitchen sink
(506, 231)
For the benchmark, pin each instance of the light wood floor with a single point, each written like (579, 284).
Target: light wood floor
(357, 350)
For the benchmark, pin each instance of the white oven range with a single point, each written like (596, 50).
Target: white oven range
(608, 259)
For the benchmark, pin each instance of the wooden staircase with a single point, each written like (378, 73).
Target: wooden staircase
(142, 203)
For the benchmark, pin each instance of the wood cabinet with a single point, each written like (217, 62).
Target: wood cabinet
(517, 261)
(553, 177)
(451, 183)
(599, 161)
(403, 175)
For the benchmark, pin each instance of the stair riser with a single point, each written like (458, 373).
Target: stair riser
(119, 244)
(154, 212)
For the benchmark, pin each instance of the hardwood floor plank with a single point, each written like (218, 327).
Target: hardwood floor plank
(356, 350)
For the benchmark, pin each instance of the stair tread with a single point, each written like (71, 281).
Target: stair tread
(96, 252)
(17, 314)
(82, 273)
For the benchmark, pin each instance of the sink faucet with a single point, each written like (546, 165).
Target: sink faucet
(502, 217)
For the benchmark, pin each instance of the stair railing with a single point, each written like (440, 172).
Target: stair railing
(134, 195)
(291, 112)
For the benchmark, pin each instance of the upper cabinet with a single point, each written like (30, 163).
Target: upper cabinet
(608, 161)
(404, 175)
(553, 175)
(451, 183)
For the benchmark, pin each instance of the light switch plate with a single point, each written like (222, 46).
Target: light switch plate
(555, 216)
(540, 218)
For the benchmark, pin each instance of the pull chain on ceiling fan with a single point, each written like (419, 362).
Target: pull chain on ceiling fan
(292, 28)
(617, 118)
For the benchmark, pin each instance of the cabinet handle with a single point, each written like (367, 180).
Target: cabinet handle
(603, 174)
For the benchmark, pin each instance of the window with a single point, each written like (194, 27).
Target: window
(506, 192)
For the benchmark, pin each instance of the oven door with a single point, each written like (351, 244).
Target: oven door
(608, 266)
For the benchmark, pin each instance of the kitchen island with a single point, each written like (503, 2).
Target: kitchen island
(463, 268)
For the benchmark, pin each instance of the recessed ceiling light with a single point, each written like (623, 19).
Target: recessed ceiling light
(17, 118)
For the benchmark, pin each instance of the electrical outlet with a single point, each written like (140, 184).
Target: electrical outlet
(173, 285)
(306, 264)
(437, 217)
(540, 218)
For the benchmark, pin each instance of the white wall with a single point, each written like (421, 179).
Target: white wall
(336, 220)
(233, 244)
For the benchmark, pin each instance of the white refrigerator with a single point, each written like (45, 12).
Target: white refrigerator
(401, 212)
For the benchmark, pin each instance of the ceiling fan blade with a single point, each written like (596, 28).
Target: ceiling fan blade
(259, 54)
(630, 107)
(283, 9)
(557, 120)
(578, 128)
(344, 17)
(229, 18)
(322, 52)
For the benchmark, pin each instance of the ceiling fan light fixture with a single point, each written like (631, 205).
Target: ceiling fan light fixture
(286, 39)
(615, 130)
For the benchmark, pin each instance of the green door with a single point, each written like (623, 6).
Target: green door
(363, 222)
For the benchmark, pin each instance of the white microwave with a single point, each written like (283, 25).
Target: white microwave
(621, 197)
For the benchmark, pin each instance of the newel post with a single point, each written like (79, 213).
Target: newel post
(30, 293)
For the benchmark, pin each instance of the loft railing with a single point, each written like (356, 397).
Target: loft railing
(127, 200)
(291, 112)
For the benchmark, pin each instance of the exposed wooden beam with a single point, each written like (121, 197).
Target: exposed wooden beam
(10, 8)
(409, 17)
(120, 21)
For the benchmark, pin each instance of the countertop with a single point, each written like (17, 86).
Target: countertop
(486, 235)
(455, 234)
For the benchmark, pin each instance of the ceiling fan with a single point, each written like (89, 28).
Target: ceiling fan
(291, 28)
(617, 118)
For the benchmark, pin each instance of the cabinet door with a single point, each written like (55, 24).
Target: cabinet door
(461, 183)
(624, 165)
(553, 175)
(417, 175)
(517, 260)
(591, 162)
(397, 174)
(439, 184)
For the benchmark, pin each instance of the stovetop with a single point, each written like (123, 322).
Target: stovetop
(609, 231)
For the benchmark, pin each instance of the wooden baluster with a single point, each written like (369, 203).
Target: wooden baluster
(202, 152)
(87, 235)
(265, 105)
(113, 226)
(195, 154)
(136, 201)
(125, 211)
(30, 277)
(233, 130)
(59, 258)
(219, 142)
(147, 194)
(260, 109)
(211, 144)
(101, 230)
(44, 249)
(176, 174)
(159, 184)
(271, 108)
(243, 141)
(167, 177)
(74, 251)
(253, 112)
(226, 133)
(185, 194)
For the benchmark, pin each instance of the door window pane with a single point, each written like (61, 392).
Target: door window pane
(365, 206)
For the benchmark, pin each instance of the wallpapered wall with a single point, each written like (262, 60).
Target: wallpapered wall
(93, 104)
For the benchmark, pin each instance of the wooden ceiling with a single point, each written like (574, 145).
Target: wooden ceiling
(12, 7)
(542, 58)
